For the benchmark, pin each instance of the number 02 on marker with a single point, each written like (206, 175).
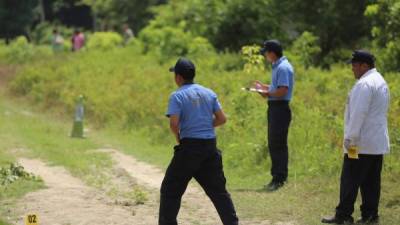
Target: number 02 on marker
(32, 219)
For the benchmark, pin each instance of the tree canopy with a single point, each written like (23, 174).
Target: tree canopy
(231, 24)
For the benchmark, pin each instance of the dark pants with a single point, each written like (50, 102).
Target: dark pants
(279, 117)
(364, 174)
(202, 160)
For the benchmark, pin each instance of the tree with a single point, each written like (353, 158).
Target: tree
(247, 23)
(114, 13)
(306, 48)
(16, 18)
(337, 23)
(228, 24)
(385, 18)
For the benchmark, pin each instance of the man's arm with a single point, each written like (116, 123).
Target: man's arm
(219, 118)
(360, 101)
(279, 92)
(174, 126)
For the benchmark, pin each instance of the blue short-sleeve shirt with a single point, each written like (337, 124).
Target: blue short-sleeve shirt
(282, 75)
(195, 105)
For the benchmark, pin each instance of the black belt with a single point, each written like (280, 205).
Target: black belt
(197, 141)
(278, 102)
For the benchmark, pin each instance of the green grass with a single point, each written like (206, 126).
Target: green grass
(126, 96)
(308, 200)
(19, 188)
(43, 136)
(303, 200)
(3, 223)
(26, 133)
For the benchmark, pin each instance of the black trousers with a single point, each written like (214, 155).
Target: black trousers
(364, 174)
(202, 160)
(279, 117)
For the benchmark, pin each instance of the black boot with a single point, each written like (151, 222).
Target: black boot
(338, 220)
(369, 220)
(274, 185)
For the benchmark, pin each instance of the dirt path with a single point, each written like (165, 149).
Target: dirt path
(68, 201)
(195, 204)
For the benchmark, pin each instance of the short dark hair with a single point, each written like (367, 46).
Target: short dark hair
(272, 46)
(189, 76)
(185, 68)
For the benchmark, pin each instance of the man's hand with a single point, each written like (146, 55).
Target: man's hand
(259, 85)
(347, 144)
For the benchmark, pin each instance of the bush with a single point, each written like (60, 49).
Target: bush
(14, 172)
(20, 50)
(127, 89)
(253, 60)
(307, 49)
(43, 32)
(169, 41)
(104, 41)
(388, 57)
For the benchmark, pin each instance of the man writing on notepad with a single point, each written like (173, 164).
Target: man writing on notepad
(366, 140)
(279, 94)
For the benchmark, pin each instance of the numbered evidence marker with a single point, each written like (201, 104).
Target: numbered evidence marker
(32, 219)
(352, 152)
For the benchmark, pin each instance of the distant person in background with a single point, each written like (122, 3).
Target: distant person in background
(57, 41)
(78, 40)
(279, 94)
(366, 140)
(128, 33)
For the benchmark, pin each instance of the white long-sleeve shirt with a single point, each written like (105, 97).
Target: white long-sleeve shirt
(366, 114)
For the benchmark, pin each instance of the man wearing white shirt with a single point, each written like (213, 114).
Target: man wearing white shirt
(366, 140)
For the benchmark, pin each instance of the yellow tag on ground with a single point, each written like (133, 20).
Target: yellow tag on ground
(32, 219)
(352, 152)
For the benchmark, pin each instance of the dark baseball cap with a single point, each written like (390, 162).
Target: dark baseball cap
(271, 46)
(185, 68)
(362, 56)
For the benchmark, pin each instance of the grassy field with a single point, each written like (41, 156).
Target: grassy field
(126, 94)
(26, 133)
(303, 200)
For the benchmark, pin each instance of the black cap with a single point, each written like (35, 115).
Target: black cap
(185, 68)
(362, 56)
(272, 46)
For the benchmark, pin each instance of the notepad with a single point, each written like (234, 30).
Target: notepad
(254, 90)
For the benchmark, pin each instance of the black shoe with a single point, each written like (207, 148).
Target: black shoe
(368, 220)
(338, 220)
(274, 185)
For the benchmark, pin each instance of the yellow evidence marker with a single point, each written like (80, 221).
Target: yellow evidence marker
(32, 219)
(352, 152)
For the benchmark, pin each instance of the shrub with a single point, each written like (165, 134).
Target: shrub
(104, 41)
(128, 89)
(307, 49)
(169, 41)
(253, 60)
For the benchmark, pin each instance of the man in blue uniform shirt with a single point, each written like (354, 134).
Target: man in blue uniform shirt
(279, 94)
(194, 111)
